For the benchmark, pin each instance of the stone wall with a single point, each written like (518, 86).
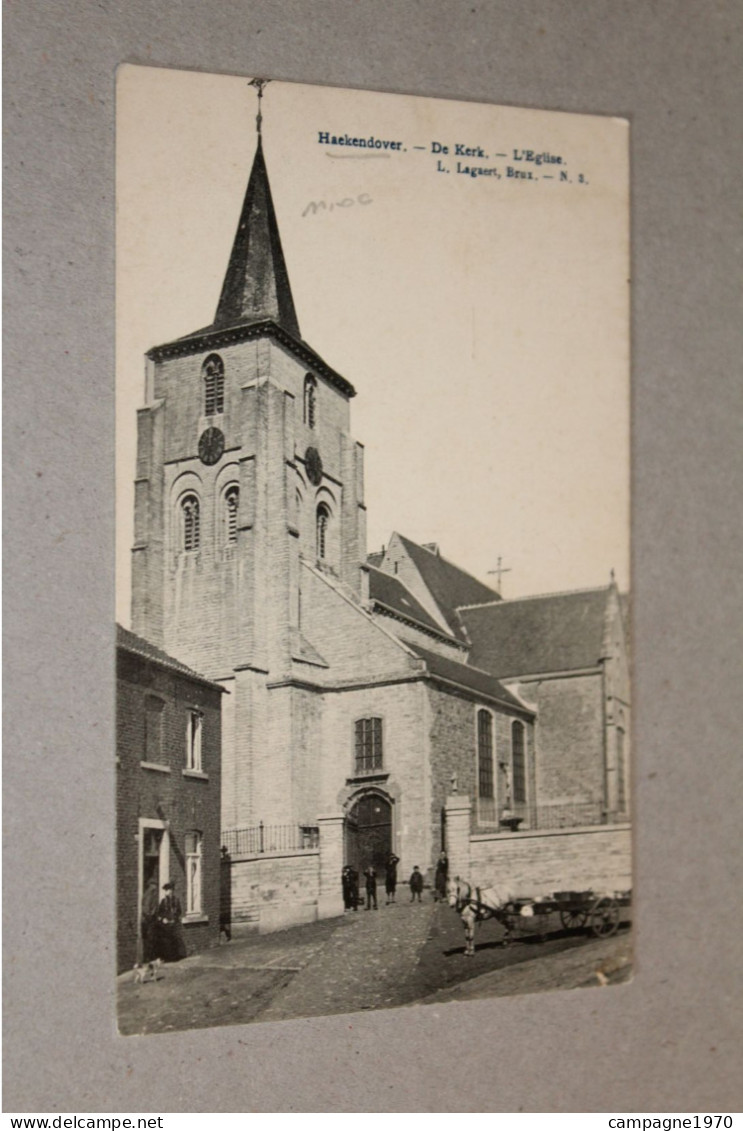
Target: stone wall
(538, 863)
(274, 890)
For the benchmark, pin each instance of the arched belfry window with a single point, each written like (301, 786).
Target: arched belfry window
(213, 371)
(518, 756)
(484, 754)
(231, 506)
(310, 400)
(323, 519)
(189, 522)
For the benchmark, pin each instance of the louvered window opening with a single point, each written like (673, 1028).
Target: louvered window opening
(368, 745)
(310, 401)
(485, 754)
(190, 508)
(518, 755)
(232, 500)
(213, 386)
(322, 530)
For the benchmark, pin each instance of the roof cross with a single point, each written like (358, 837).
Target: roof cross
(499, 570)
(259, 85)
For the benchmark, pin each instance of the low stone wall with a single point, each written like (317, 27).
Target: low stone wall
(538, 863)
(274, 890)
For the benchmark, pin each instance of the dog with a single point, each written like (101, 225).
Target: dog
(147, 969)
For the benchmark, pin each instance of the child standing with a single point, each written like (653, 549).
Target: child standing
(416, 884)
(371, 887)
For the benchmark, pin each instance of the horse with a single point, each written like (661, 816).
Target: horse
(475, 905)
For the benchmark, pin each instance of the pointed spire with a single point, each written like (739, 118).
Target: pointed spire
(256, 285)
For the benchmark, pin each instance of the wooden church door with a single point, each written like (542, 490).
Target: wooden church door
(369, 834)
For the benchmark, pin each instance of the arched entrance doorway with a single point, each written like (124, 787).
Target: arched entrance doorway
(368, 832)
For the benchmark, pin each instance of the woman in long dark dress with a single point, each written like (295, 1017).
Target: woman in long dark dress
(170, 931)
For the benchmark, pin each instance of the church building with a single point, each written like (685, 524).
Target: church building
(369, 695)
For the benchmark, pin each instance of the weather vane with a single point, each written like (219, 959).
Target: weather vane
(259, 85)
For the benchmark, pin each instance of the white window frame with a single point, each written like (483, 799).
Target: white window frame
(194, 873)
(194, 732)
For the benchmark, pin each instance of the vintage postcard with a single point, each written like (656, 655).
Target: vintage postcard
(373, 729)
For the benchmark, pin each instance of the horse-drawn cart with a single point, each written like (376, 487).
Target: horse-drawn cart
(601, 914)
(598, 912)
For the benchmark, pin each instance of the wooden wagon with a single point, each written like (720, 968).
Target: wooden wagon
(599, 913)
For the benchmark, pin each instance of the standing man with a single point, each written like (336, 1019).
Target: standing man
(353, 887)
(371, 887)
(169, 916)
(346, 888)
(148, 921)
(390, 879)
(442, 875)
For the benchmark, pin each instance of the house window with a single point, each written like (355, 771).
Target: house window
(231, 503)
(310, 400)
(213, 370)
(193, 740)
(368, 745)
(153, 729)
(323, 517)
(518, 762)
(193, 873)
(485, 754)
(190, 522)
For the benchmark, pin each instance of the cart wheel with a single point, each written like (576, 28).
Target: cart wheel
(573, 920)
(605, 917)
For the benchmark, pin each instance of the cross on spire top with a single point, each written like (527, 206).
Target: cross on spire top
(259, 84)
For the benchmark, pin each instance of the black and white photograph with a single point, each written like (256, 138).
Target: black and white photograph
(373, 725)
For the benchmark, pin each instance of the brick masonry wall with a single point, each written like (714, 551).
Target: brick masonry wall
(186, 802)
(274, 890)
(405, 776)
(454, 748)
(347, 638)
(570, 739)
(532, 864)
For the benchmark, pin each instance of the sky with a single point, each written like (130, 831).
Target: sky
(483, 320)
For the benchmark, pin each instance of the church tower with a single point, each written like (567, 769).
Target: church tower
(246, 466)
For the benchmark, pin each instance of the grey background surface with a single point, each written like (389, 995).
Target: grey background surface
(668, 1040)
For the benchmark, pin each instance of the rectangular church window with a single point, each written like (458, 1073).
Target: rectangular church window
(485, 754)
(519, 763)
(368, 745)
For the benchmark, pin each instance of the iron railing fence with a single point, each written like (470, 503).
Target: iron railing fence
(270, 838)
(493, 817)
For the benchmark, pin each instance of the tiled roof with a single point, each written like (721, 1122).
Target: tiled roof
(140, 647)
(529, 635)
(449, 585)
(390, 592)
(375, 559)
(482, 683)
